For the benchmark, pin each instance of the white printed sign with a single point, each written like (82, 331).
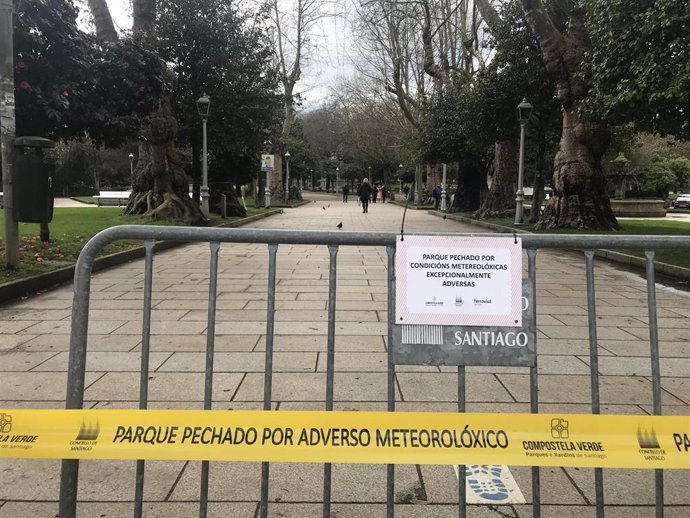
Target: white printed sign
(458, 280)
(267, 163)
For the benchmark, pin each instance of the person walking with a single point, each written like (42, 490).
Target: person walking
(365, 192)
(374, 193)
(437, 196)
(346, 191)
(383, 193)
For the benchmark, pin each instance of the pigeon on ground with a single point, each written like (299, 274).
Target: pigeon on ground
(340, 225)
(324, 208)
(444, 216)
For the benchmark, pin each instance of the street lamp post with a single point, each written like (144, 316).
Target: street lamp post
(337, 178)
(287, 177)
(203, 105)
(400, 175)
(131, 170)
(524, 110)
(444, 194)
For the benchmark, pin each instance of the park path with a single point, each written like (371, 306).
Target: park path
(34, 336)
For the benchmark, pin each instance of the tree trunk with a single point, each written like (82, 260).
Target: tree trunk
(580, 197)
(500, 201)
(105, 29)
(159, 188)
(466, 197)
(538, 187)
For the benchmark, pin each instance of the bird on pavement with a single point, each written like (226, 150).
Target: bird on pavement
(324, 208)
(340, 225)
(444, 216)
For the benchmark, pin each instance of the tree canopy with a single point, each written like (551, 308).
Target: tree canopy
(68, 84)
(639, 64)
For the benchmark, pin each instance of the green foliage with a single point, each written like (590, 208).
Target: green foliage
(638, 64)
(665, 174)
(68, 85)
(218, 49)
(469, 117)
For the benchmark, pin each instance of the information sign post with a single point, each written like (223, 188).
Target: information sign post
(267, 167)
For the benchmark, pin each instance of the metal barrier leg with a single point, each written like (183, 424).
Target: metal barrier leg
(534, 382)
(330, 367)
(268, 365)
(594, 370)
(656, 370)
(144, 373)
(390, 469)
(208, 375)
(462, 474)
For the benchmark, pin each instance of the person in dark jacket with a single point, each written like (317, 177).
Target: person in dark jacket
(364, 192)
(346, 191)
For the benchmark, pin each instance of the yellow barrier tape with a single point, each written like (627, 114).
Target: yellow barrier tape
(610, 441)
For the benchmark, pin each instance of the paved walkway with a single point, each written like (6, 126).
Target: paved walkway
(33, 363)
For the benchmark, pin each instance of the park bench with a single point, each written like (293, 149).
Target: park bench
(111, 198)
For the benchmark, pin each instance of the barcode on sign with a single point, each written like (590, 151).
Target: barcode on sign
(422, 334)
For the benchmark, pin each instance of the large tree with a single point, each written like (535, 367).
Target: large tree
(222, 51)
(515, 71)
(159, 183)
(580, 197)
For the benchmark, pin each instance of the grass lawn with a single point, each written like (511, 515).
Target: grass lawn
(70, 229)
(645, 227)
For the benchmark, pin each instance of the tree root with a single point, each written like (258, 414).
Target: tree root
(164, 206)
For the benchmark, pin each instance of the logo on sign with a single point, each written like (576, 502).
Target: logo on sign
(647, 440)
(88, 433)
(5, 423)
(434, 302)
(559, 428)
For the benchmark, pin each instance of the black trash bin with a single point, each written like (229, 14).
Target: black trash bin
(33, 180)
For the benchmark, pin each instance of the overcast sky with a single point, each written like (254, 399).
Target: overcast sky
(326, 68)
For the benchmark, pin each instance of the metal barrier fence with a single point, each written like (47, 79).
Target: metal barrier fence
(333, 240)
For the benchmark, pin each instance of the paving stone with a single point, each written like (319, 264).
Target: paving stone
(665, 335)
(679, 387)
(14, 326)
(119, 510)
(343, 343)
(285, 387)
(47, 386)
(11, 314)
(94, 343)
(25, 479)
(241, 362)
(356, 362)
(163, 386)
(668, 349)
(634, 486)
(22, 361)
(640, 366)
(9, 342)
(582, 332)
(105, 361)
(547, 346)
(196, 343)
(571, 388)
(170, 327)
(64, 327)
(291, 305)
(443, 387)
